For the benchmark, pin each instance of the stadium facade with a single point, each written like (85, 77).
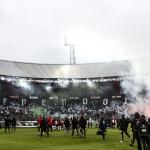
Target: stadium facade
(44, 90)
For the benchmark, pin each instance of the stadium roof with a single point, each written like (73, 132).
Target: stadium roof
(107, 69)
(91, 70)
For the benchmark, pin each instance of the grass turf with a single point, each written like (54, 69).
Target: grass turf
(27, 139)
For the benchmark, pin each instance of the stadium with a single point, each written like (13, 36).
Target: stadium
(74, 74)
(61, 89)
(28, 90)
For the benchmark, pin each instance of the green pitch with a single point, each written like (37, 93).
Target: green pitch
(27, 139)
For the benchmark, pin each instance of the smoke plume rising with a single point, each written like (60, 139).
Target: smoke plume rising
(137, 87)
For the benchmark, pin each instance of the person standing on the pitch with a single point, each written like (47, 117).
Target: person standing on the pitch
(103, 127)
(50, 124)
(82, 124)
(39, 122)
(67, 124)
(123, 126)
(13, 124)
(134, 125)
(44, 126)
(74, 125)
(143, 133)
(7, 124)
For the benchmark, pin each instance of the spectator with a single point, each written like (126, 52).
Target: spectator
(123, 126)
(44, 126)
(74, 126)
(143, 133)
(39, 123)
(13, 124)
(134, 125)
(7, 124)
(103, 127)
(67, 124)
(50, 124)
(82, 124)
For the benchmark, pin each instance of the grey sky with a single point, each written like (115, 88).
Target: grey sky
(104, 30)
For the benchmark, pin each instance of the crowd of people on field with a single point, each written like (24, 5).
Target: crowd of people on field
(140, 131)
(46, 124)
(140, 127)
(9, 124)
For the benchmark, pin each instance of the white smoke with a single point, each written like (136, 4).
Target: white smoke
(90, 83)
(23, 83)
(63, 83)
(137, 87)
(48, 88)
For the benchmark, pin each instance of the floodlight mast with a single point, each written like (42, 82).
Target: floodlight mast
(72, 51)
(72, 55)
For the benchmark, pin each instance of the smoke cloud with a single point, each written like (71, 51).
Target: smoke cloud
(137, 87)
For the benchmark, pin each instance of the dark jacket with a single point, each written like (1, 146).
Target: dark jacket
(13, 121)
(143, 129)
(123, 124)
(103, 124)
(7, 122)
(67, 122)
(134, 125)
(74, 122)
(44, 123)
(82, 122)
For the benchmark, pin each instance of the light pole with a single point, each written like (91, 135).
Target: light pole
(72, 50)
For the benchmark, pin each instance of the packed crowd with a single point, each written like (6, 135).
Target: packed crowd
(31, 108)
